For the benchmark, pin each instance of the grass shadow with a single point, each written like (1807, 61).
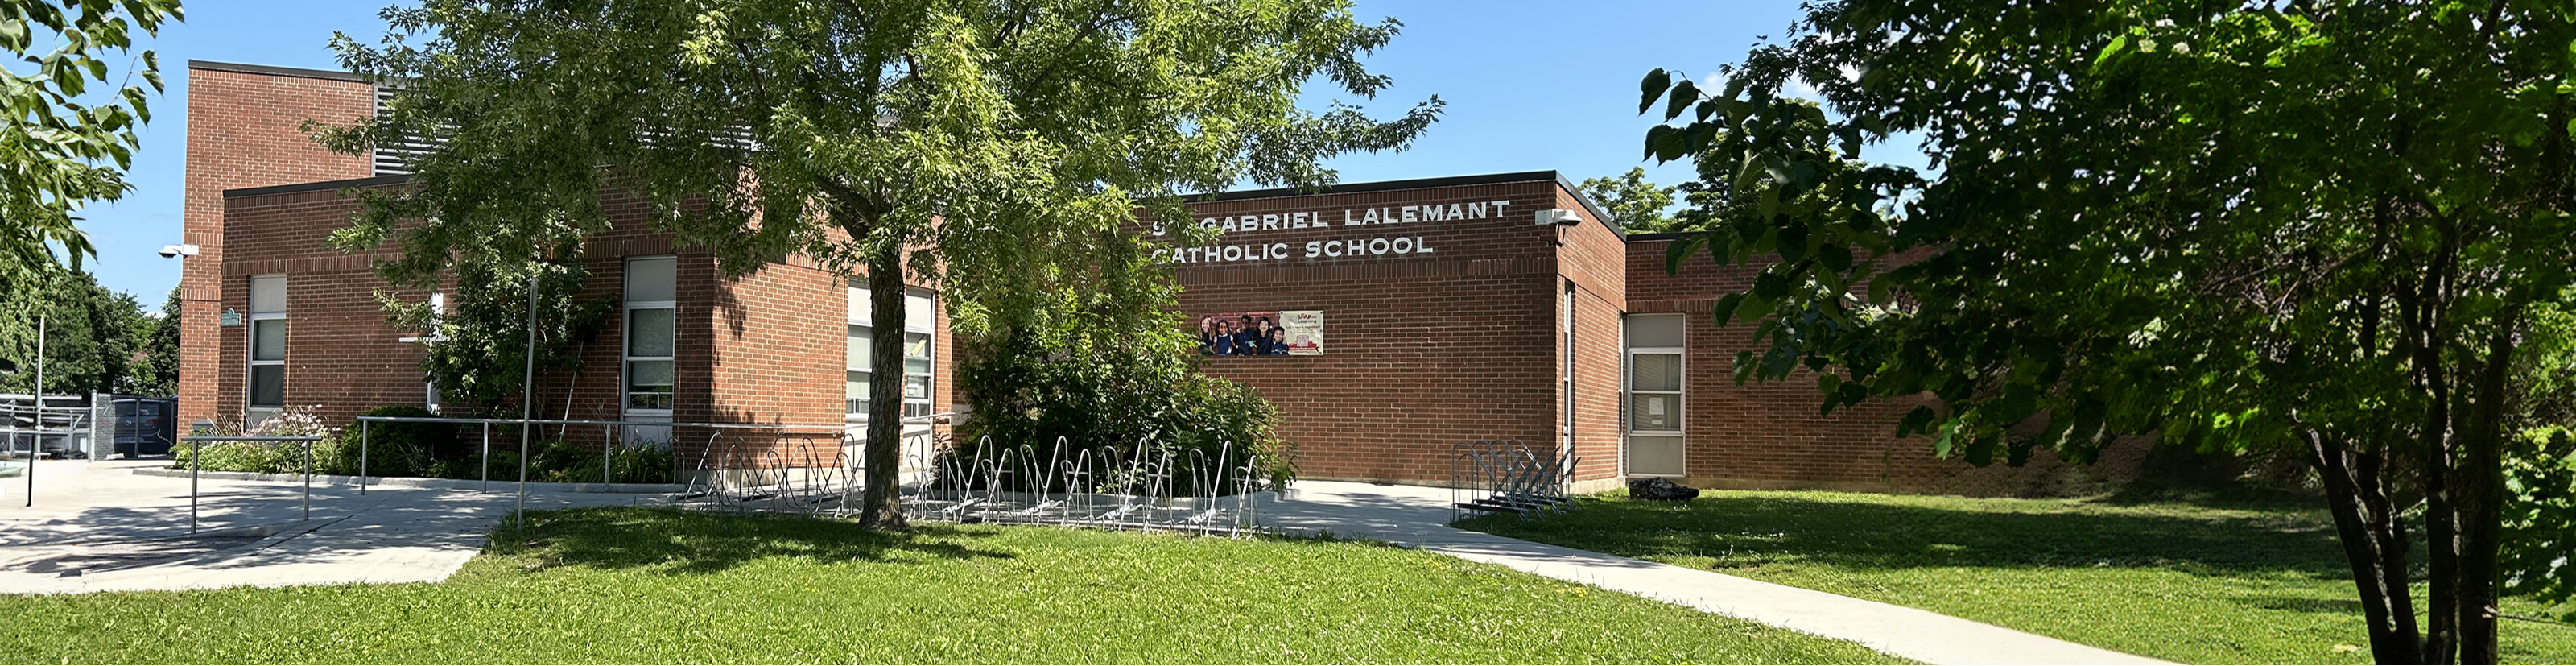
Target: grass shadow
(689, 542)
(1732, 530)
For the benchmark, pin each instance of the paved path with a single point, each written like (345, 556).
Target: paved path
(97, 526)
(1415, 516)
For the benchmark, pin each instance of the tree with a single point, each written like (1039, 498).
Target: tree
(982, 146)
(159, 374)
(1639, 205)
(90, 333)
(2322, 228)
(59, 147)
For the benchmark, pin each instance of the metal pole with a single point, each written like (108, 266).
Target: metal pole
(527, 396)
(196, 461)
(36, 447)
(487, 458)
(607, 452)
(308, 480)
(362, 455)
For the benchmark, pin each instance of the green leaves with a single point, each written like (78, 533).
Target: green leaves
(1654, 85)
(60, 150)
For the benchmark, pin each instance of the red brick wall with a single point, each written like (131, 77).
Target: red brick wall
(244, 130)
(766, 347)
(1594, 259)
(1770, 436)
(1421, 352)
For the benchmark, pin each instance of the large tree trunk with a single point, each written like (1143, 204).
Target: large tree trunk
(880, 504)
(2479, 485)
(2372, 545)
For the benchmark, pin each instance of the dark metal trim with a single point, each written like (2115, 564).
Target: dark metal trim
(321, 186)
(332, 74)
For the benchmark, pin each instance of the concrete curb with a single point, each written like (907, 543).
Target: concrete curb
(416, 482)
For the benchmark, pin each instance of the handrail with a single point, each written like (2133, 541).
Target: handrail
(197, 457)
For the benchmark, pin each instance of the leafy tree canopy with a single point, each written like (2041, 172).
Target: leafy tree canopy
(1641, 206)
(92, 336)
(2333, 229)
(61, 144)
(998, 145)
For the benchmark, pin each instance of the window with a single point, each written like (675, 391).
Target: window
(920, 318)
(652, 296)
(267, 343)
(1654, 395)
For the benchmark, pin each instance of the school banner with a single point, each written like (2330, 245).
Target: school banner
(1270, 333)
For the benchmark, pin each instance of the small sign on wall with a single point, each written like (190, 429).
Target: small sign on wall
(1270, 333)
(230, 317)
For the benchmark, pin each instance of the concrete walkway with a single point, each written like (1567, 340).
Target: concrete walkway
(98, 526)
(1416, 517)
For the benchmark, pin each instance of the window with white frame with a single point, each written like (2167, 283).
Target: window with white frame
(267, 344)
(652, 302)
(919, 319)
(1654, 382)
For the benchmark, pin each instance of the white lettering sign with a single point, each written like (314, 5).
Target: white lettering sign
(1335, 244)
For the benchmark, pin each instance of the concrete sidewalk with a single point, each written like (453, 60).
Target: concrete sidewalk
(1416, 517)
(98, 526)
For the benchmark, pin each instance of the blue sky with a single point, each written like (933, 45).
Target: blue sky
(1529, 86)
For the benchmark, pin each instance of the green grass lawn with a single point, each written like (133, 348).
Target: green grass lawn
(653, 586)
(2195, 579)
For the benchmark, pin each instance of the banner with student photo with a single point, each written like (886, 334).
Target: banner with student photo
(1266, 333)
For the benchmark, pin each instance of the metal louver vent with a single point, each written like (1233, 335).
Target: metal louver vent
(395, 160)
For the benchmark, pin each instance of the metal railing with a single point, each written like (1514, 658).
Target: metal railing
(608, 452)
(75, 420)
(197, 458)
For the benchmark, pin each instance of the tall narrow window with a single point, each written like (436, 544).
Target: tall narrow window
(919, 319)
(652, 296)
(267, 345)
(1654, 404)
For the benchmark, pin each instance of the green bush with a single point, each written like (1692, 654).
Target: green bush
(1119, 398)
(405, 449)
(431, 450)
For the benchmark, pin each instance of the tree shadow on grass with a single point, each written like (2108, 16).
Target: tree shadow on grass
(689, 542)
(1734, 531)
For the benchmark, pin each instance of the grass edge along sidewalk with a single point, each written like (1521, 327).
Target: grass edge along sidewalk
(2193, 579)
(649, 585)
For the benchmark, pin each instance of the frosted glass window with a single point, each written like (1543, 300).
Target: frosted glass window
(648, 332)
(268, 340)
(1657, 372)
(268, 294)
(1650, 331)
(649, 384)
(653, 279)
(1656, 456)
(1656, 412)
(862, 356)
(919, 313)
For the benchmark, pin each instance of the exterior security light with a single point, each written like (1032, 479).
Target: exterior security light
(1559, 217)
(180, 250)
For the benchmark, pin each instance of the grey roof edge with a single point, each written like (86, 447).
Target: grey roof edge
(1663, 236)
(273, 70)
(317, 186)
(1420, 184)
(1352, 188)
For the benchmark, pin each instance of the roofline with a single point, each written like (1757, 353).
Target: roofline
(320, 186)
(1272, 193)
(1663, 236)
(1598, 214)
(272, 70)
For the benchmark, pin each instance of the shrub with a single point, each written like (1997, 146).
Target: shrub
(402, 449)
(259, 457)
(1119, 399)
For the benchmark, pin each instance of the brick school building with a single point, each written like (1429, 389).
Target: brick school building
(1387, 321)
